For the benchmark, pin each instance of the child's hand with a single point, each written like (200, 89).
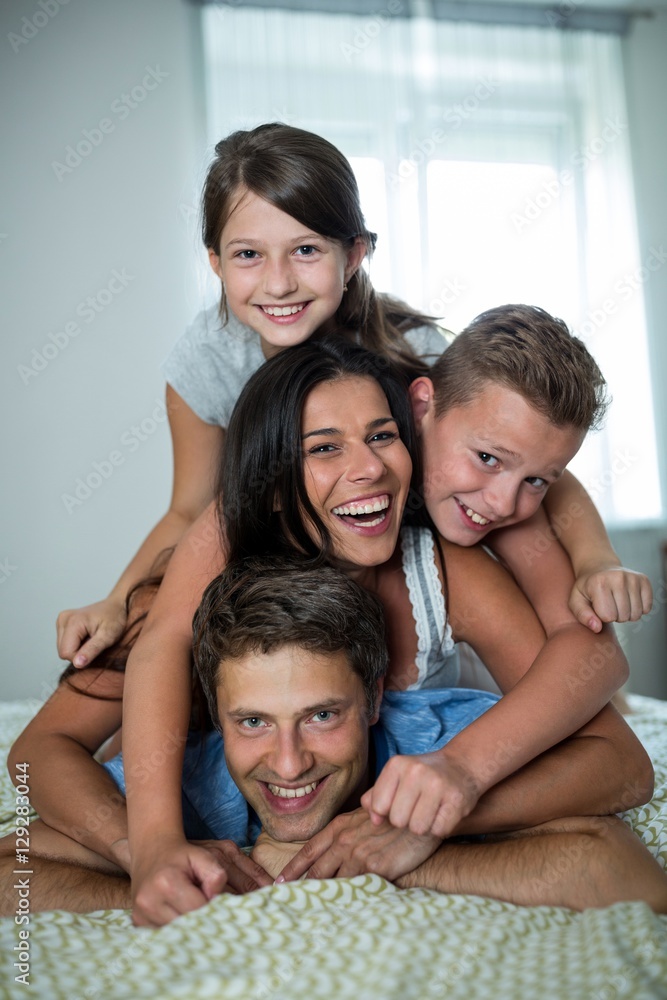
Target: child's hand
(85, 632)
(610, 594)
(428, 793)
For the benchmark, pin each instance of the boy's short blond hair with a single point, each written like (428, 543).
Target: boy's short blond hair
(530, 352)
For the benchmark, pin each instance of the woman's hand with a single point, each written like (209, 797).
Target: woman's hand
(84, 632)
(183, 876)
(352, 845)
(610, 594)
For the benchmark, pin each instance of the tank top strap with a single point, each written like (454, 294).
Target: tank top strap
(437, 662)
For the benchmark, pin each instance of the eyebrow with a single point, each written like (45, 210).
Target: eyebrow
(553, 473)
(321, 706)
(331, 431)
(298, 240)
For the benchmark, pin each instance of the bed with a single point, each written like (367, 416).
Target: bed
(353, 938)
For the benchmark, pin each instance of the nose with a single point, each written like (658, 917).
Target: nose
(365, 464)
(290, 757)
(501, 496)
(279, 278)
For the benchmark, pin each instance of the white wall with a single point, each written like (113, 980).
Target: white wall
(126, 208)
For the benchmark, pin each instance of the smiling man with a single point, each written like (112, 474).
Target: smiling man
(292, 662)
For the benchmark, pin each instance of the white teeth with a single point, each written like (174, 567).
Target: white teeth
(292, 793)
(477, 518)
(363, 508)
(282, 310)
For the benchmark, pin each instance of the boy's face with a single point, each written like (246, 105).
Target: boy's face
(295, 728)
(489, 463)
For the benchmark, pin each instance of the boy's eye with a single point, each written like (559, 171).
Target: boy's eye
(253, 723)
(247, 254)
(536, 481)
(487, 459)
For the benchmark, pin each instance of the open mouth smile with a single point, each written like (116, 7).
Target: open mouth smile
(284, 313)
(365, 513)
(473, 516)
(282, 799)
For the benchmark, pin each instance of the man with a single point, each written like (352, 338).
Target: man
(292, 663)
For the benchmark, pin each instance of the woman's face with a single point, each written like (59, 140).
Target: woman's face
(356, 469)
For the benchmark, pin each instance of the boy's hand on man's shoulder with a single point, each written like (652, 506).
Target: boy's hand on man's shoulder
(610, 594)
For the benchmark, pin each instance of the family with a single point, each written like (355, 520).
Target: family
(337, 462)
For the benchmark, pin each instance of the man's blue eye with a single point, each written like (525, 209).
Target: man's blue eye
(323, 716)
(252, 723)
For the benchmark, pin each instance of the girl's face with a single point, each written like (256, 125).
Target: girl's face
(356, 470)
(281, 279)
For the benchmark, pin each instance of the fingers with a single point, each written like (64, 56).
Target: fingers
(70, 633)
(245, 875)
(102, 639)
(581, 608)
(168, 895)
(309, 854)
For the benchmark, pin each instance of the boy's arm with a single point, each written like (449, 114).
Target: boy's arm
(72, 792)
(604, 591)
(552, 688)
(169, 876)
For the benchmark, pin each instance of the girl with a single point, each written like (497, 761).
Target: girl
(285, 234)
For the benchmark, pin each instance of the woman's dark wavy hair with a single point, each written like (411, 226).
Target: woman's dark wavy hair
(262, 499)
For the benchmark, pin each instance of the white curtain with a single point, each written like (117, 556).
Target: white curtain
(493, 163)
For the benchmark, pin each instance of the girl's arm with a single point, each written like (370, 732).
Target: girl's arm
(604, 591)
(85, 632)
(553, 688)
(169, 876)
(72, 792)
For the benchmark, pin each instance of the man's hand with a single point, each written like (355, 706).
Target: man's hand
(426, 794)
(352, 845)
(186, 876)
(610, 594)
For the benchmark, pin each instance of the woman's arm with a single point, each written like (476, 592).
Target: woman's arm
(604, 591)
(84, 632)
(72, 792)
(169, 876)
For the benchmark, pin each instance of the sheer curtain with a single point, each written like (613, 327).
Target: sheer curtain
(493, 163)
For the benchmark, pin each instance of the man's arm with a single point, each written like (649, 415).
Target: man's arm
(577, 863)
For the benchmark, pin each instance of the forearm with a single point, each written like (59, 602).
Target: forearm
(578, 526)
(584, 776)
(75, 795)
(571, 679)
(166, 534)
(58, 885)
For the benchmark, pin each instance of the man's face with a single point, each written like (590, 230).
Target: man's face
(489, 463)
(295, 728)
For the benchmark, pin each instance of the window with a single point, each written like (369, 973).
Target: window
(493, 163)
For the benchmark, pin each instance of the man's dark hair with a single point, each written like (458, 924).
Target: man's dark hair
(257, 606)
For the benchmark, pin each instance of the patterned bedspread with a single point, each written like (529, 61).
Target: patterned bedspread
(355, 938)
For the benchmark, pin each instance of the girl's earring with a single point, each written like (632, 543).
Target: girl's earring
(344, 288)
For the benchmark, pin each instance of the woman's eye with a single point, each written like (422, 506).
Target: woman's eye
(536, 481)
(321, 449)
(306, 251)
(487, 459)
(385, 436)
(253, 723)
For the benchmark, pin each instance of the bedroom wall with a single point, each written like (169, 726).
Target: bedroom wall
(98, 278)
(80, 378)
